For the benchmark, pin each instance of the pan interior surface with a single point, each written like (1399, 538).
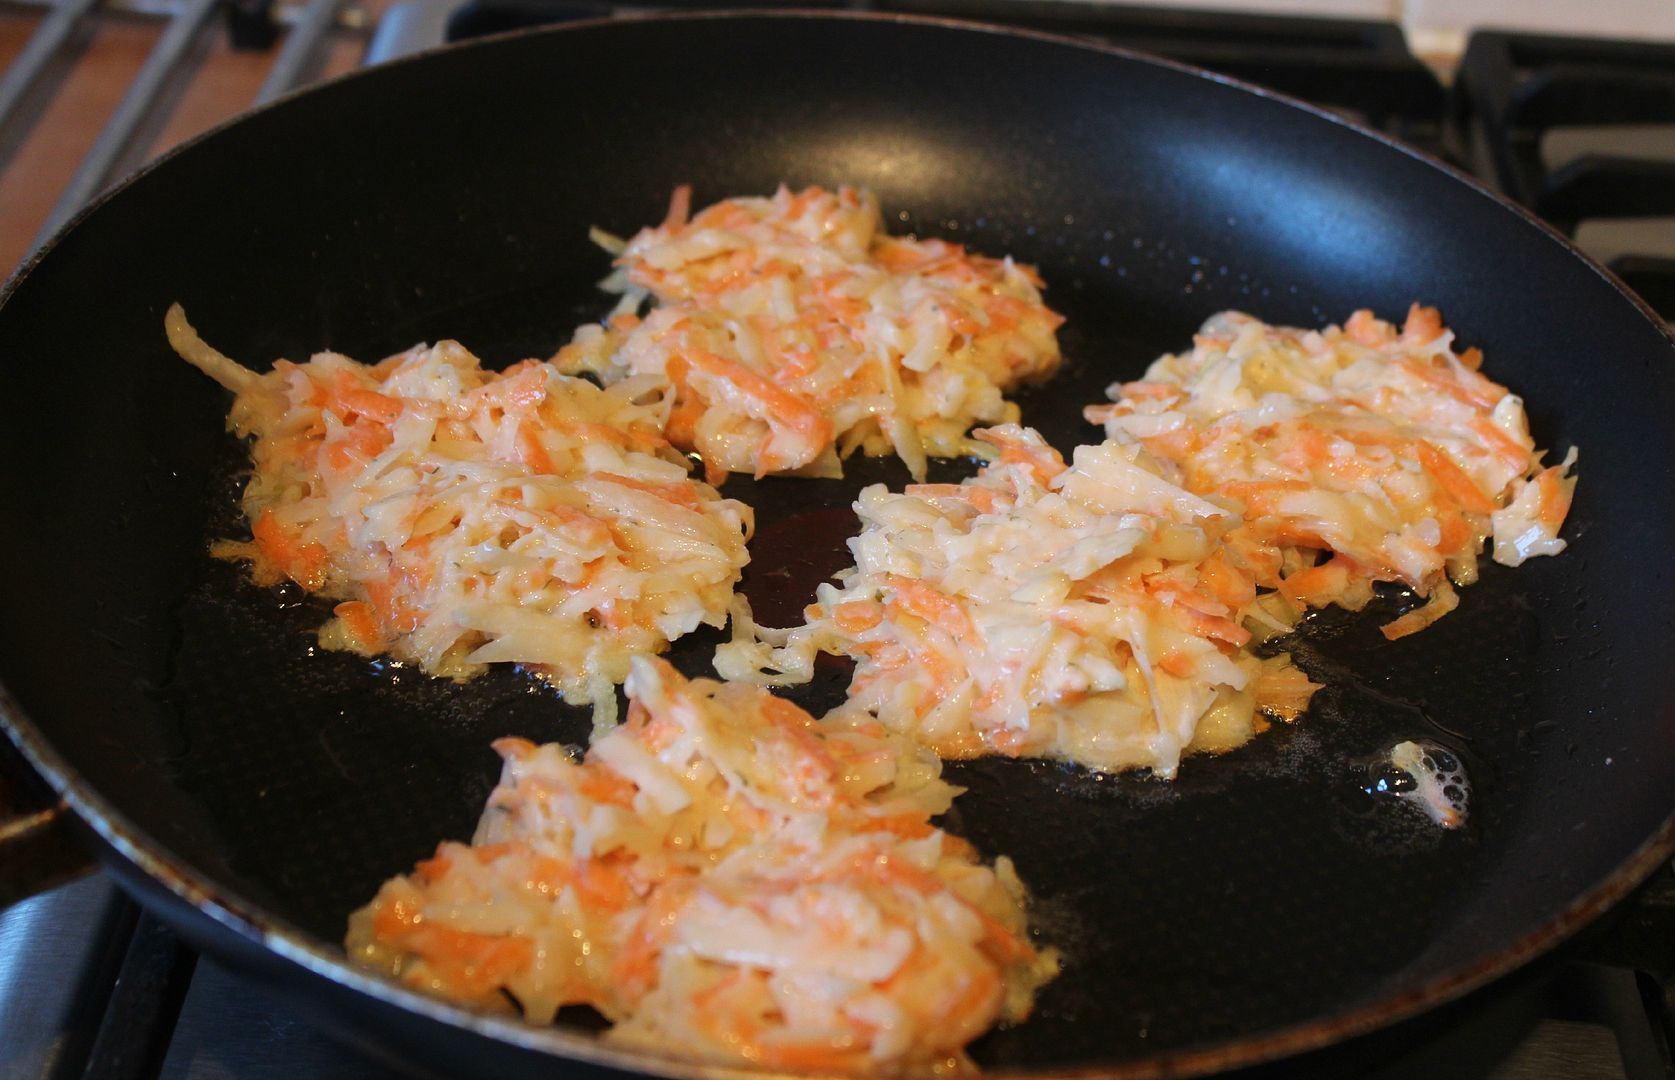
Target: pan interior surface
(451, 197)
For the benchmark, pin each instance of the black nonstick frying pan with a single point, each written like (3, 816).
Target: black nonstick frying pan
(253, 789)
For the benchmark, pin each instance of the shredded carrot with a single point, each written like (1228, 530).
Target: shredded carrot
(471, 964)
(927, 603)
(607, 787)
(1423, 324)
(358, 616)
(1443, 600)
(304, 563)
(1555, 496)
(1364, 328)
(858, 616)
(1460, 487)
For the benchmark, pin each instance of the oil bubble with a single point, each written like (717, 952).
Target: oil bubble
(1426, 776)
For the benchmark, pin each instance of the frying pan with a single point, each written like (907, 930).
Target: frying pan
(253, 789)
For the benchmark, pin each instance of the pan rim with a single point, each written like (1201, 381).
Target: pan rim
(279, 937)
(251, 922)
(22, 271)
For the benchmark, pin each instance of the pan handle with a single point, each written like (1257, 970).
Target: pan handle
(37, 850)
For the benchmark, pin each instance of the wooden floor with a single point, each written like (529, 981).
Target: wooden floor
(61, 126)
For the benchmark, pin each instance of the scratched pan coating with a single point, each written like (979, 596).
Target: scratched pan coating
(254, 789)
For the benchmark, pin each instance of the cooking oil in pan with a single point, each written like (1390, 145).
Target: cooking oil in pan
(1426, 776)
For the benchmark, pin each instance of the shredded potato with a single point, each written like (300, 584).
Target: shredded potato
(465, 517)
(726, 878)
(1356, 455)
(722, 876)
(1086, 613)
(796, 332)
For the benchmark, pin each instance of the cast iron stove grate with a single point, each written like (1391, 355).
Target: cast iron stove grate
(1517, 91)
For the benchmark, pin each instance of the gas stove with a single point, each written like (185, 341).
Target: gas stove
(1580, 131)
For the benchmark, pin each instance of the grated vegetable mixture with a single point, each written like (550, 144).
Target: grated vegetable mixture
(1088, 613)
(796, 332)
(722, 877)
(465, 517)
(1356, 455)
